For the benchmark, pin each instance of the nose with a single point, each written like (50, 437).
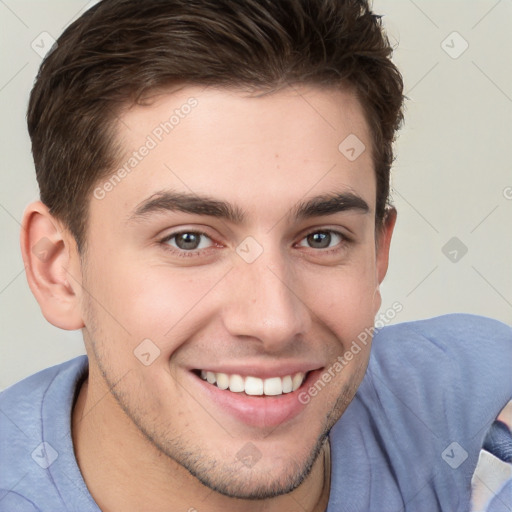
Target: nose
(264, 302)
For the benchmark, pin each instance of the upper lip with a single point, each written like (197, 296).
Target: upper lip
(263, 371)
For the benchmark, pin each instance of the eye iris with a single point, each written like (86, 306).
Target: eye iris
(187, 240)
(321, 237)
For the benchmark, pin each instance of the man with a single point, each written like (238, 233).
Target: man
(225, 340)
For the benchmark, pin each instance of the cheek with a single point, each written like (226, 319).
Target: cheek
(345, 298)
(136, 301)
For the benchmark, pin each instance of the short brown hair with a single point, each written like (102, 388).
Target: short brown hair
(120, 50)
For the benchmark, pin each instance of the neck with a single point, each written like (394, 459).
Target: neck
(124, 471)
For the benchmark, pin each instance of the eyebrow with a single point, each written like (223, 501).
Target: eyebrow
(166, 200)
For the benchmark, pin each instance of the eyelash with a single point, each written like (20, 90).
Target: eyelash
(182, 253)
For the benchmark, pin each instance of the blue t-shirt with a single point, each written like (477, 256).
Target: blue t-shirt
(409, 440)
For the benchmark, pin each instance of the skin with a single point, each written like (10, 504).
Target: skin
(147, 437)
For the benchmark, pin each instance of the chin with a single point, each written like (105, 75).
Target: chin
(252, 484)
(251, 475)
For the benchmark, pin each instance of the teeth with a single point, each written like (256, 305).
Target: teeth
(273, 386)
(222, 381)
(236, 384)
(298, 378)
(287, 384)
(254, 385)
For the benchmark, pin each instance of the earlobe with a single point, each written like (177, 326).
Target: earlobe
(50, 258)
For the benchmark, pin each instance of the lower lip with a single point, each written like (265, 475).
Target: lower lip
(258, 411)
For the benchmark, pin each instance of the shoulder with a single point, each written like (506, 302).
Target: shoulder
(448, 333)
(11, 501)
(446, 377)
(431, 390)
(22, 401)
(462, 358)
(458, 346)
(34, 433)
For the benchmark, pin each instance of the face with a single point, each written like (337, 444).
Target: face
(238, 250)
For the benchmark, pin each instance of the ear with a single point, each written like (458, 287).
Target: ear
(383, 242)
(384, 235)
(52, 266)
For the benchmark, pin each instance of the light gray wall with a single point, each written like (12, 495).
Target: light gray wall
(452, 176)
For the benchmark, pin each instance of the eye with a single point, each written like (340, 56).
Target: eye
(322, 239)
(186, 241)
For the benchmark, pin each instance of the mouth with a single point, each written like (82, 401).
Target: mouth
(262, 402)
(254, 386)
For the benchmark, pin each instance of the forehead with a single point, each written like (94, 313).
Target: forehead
(247, 149)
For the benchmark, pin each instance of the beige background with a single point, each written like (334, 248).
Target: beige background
(452, 177)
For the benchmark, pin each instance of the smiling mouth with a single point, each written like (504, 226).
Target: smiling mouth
(253, 386)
